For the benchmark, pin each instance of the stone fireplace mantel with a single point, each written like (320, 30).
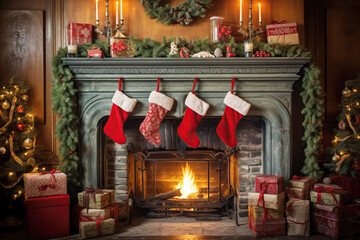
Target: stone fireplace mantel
(264, 82)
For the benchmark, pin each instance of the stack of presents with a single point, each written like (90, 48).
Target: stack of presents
(333, 212)
(48, 213)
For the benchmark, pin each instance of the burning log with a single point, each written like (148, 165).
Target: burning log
(165, 196)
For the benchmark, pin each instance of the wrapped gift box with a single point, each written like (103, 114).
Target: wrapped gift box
(274, 227)
(45, 184)
(121, 46)
(47, 217)
(302, 183)
(99, 227)
(79, 33)
(273, 184)
(283, 33)
(298, 217)
(114, 211)
(272, 201)
(336, 222)
(331, 186)
(336, 197)
(103, 198)
(257, 213)
(351, 185)
(298, 193)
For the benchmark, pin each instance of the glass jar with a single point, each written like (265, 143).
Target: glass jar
(215, 23)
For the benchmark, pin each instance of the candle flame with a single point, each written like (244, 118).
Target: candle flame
(187, 184)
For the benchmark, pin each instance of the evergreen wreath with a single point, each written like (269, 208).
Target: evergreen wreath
(64, 101)
(183, 13)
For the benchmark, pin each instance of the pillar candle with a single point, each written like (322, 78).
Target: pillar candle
(240, 10)
(117, 12)
(121, 8)
(97, 10)
(259, 12)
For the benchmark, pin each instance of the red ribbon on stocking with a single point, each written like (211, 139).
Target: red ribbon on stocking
(263, 187)
(98, 221)
(322, 189)
(51, 172)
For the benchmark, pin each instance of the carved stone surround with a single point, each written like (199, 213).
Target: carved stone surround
(264, 82)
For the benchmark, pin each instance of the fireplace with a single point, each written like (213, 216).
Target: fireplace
(264, 82)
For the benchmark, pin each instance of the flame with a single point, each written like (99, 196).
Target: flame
(187, 184)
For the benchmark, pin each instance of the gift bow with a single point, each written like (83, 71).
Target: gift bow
(322, 189)
(276, 22)
(223, 32)
(98, 221)
(117, 47)
(92, 192)
(51, 172)
(263, 187)
(44, 187)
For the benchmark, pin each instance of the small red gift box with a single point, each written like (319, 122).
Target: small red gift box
(351, 185)
(274, 227)
(282, 33)
(79, 33)
(336, 222)
(272, 184)
(47, 217)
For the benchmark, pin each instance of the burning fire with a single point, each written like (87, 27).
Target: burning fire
(187, 186)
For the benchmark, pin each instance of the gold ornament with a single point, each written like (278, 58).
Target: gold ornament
(28, 143)
(346, 92)
(335, 158)
(25, 97)
(6, 105)
(2, 96)
(2, 150)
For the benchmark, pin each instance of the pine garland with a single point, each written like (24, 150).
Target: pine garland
(65, 105)
(182, 14)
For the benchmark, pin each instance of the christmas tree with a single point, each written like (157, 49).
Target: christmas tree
(18, 154)
(345, 152)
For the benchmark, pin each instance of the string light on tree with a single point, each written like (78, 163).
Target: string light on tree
(346, 92)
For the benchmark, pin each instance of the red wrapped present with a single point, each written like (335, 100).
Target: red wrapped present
(351, 185)
(272, 184)
(79, 33)
(282, 33)
(45, 184)
(274, 227)
(331, 186)
(47, 217)
(336, 222)
(114, 211)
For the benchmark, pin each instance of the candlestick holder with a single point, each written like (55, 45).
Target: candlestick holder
(119, 27)
(250, 32)
(107, 28)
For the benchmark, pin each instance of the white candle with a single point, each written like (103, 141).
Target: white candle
(97, 10)
(117, 12)
(259, 12)
(240, 10)
(121, 7)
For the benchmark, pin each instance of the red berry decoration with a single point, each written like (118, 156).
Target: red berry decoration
(70, 152)
(20, 127)
(20, 109)
(261, 54)
(60, 76)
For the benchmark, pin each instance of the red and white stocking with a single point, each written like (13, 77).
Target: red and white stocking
(235, 109)
(121, 109)
(160, 104)
(196, 109)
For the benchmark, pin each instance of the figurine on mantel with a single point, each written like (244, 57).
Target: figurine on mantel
(203, 54)
(174, 49)
(218, 52)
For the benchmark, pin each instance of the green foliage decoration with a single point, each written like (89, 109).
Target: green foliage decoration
(182, 14)
(65, 105)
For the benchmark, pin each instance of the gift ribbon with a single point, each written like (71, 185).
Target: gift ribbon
(322, 189)
(296, 177)
(339, 163)
(263, 187)
(117, 48)
(287, 210)
(97, 221)
(11, 146)
(44, 187)
(276, 22)
(92, 192)
(51, 172)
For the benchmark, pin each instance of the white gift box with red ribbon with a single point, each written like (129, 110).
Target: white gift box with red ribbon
(282, 33)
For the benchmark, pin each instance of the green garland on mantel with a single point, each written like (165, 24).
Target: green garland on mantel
(64, 102)
(182, 14)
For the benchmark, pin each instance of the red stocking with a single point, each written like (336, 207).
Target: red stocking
(196, 109)
(121, 109)
(235, 109)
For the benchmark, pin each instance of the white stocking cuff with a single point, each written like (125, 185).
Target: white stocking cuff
(123, 101)
(161, 100)
(237, 103)
(196, 104)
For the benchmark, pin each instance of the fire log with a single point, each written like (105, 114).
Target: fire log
(165, 196)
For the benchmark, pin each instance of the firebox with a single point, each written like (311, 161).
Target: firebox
(173, 181)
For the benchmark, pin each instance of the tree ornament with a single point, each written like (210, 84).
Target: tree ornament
(25, 98)
(334, 142)
(20, 109)
(2, 150)
(183, 13)
(70, 152)
(184, 52)
(229, 52)
(335, 158)
(2, 97)
(61, 76)
(346, 92)
(327, 180)
(20, 127)
(28, 143)
(6, 105)
(342, 125)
